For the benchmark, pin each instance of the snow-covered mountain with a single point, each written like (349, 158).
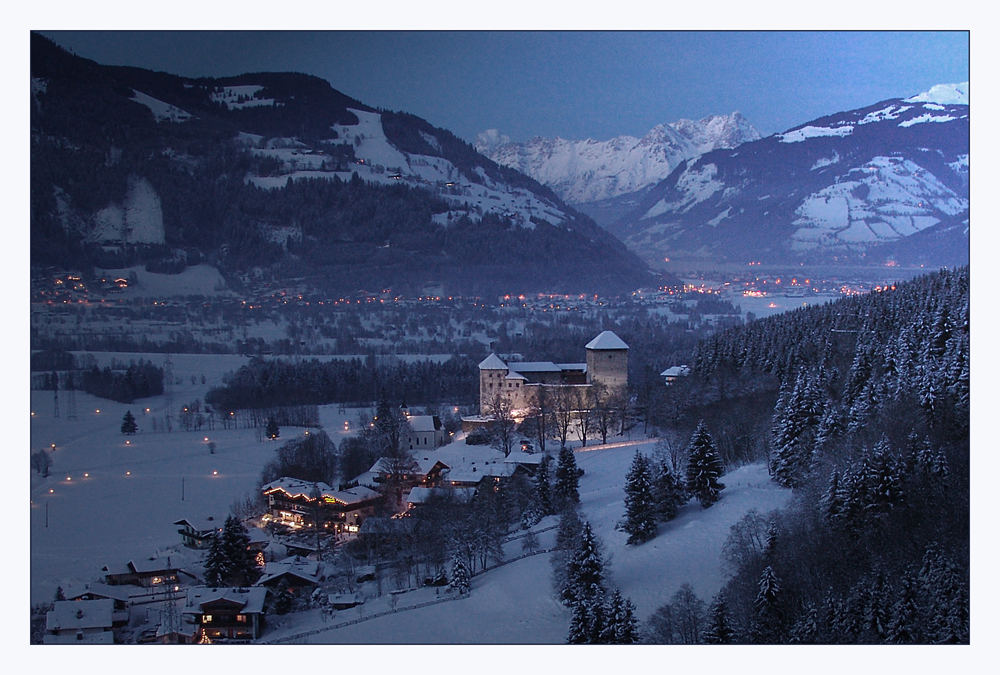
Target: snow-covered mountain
(272, 174)
(887, 181)
(582, 171)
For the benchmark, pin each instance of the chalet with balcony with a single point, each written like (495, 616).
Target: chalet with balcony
(299, 504)
(225, 614)
(198, 532)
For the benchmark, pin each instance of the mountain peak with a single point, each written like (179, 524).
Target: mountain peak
(589, 170)
(944, 94)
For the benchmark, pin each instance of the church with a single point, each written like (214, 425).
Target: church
(606, 363)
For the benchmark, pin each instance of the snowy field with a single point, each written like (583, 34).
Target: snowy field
(111, 498)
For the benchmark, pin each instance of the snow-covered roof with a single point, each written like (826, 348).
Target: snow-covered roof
(492, 362)
(120, 593)
(422, 423)
(251, 599)
(80, 614)
(206, 524)
(514, 375)
(572, 366)
(607, 340)
(676, 371)
(151, 565)
(295, 487)
(528, 458)
(536, 367)
(307, 570)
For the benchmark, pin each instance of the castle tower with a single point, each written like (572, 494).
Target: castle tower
(492, 376)
(607, 361)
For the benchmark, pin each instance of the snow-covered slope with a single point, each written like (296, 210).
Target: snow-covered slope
(588, 170)
(852, 184)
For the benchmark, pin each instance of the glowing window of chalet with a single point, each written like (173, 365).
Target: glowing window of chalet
(207, 618)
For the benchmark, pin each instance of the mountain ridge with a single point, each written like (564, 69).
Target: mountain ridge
(267, 174)
(584, 171)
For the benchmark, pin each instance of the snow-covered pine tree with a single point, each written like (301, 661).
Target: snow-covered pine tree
(216, 565)
(719, 630)
(585, 571)
(240, 568)
(704, 467)
(766, 624)
(945, 590)
(796, 429)
(805, 630)
(640, 510)
(883, 479)
(905, 624)
(460, 578)
(669, 493)
(543, 486)
(627, 630)
(579, 626)
(566, 492)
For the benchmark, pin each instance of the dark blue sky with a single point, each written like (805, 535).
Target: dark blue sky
(588, 84)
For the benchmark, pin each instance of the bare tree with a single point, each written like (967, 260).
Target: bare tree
(502, 430)
(565, 408)
(541, 409)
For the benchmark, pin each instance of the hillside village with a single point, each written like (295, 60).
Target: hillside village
(295, 531)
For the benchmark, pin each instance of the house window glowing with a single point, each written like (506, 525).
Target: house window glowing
(207, 618)
(241, 618)
(157, 580)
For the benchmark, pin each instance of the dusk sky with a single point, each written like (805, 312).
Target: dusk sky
(587, 84)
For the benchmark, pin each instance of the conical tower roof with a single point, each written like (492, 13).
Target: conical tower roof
(606, 340)
(492, 362)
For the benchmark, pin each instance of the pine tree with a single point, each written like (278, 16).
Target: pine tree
(669, 493)
(905, 625)
(627, 628)
(805, 630)
(795, 432)
(543, 486)
(460, 575)
(129, 425)
(579, 626)
(215, 563)
(566, 492)
(640, 511)
(239, 566)
(766, 627)
(719, 630)
(271, 430)
(704, 467)
(585, 572)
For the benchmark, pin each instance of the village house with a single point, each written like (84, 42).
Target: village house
(198, 532)
(421, 496)
(519, 381)
(424, 470)
(80, 622)
(225, 614)
(148, 573)
(295, 574)
(121, 602)
(425, 432)
(671, 374)
(298, 504)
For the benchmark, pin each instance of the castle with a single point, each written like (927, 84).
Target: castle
(607, 364)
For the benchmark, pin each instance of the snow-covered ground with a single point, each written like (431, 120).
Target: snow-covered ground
(112, 498)
(513, 604)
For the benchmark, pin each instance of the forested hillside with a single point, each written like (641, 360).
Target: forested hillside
(871, 428)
